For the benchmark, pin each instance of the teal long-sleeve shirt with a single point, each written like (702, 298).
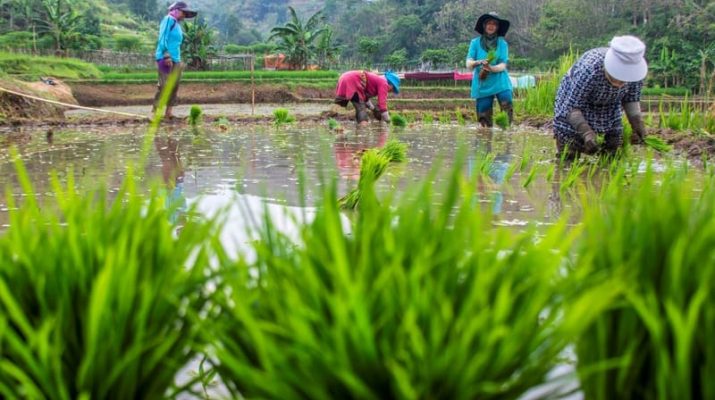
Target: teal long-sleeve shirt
(496, 81)
(170, 38)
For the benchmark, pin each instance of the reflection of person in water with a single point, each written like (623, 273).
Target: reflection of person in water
(349, 149)
(497, 168)
(172, 172)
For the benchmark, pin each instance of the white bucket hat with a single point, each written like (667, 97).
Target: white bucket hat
(624, 59)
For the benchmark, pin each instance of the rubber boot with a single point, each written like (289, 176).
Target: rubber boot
(508, 107)
(361, 114)
(485, 119)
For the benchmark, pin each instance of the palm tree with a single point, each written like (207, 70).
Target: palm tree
(296, 38)
(327, 51)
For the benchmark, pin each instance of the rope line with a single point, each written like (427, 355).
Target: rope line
(71, 105)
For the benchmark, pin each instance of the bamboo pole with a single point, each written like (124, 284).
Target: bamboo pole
(253, 88)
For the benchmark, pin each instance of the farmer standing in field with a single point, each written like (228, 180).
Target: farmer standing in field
(359, 86)
(488, 56)
(591, 94)
(168, 53)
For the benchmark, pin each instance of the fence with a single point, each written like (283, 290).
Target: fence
(138, 61)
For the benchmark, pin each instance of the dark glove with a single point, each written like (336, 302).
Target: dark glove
(377, 114)
(385, 116)
(578, 121)
(589, 142)
(635, 118)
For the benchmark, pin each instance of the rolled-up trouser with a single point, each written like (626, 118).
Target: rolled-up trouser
(164, 74)
(361, 110)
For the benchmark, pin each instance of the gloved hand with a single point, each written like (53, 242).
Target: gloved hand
(635, 118)
(589, 142)
(377, 114)
(578, 121)
(385, 116)
(370, 106)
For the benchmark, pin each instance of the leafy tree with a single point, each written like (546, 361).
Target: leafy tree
(327, 50)
(60, 21)
(435, 56)
(403, 32)
(127, 43)
(398, 58)
(368, 47)
(296, 39)
(198, 44)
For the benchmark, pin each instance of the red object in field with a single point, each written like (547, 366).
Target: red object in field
(437, 76)
(278, 62)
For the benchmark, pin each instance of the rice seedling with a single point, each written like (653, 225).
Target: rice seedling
(372, 166)
(532, 174)
(427, 118)
(394, 150)
(333, 124)
(654, 341)
(282, 116)
(222, 123)
(539, 100)
(657, 144)
(502, 119)
(417, 301)
(444, 118)
(195, 115)
(99, 297)
(398, 120)
(459, 116)
(410, 117)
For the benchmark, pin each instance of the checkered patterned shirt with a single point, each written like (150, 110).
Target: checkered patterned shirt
(586, 88)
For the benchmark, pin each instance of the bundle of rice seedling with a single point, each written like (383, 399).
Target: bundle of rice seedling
(394, 150)
(398, 120)
(372, 166)
(502, 119)
(195, 115)
(657, 144)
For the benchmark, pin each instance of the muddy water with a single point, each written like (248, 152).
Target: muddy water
(268, 162)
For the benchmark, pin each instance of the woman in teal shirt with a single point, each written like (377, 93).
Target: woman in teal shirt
(168, 53)
(488, 56)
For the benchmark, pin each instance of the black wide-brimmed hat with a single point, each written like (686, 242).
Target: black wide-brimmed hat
(180, 5)
(503, 24)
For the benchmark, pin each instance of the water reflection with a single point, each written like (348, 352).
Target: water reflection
(348, 148)
(172, 172)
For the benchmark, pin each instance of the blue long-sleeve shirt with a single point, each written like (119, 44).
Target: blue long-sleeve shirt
(170, 38)
(495, 82)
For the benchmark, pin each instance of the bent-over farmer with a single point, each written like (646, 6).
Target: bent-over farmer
(592, 93)
(359, 87)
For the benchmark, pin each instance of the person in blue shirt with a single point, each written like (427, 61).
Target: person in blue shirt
(488, 57)
(168, 53)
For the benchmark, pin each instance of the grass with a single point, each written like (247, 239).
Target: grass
(398, 120)
(98, 296)
(416, 301)
(654, 339)
(282, 116)
(195, 115)
(31, 68)
(501, 119)
(539, 100)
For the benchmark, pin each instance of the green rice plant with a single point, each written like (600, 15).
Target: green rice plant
(222, 123)
(532, 174)
(398, 120)
(653, 239)
(459, 116)
(502, 119)
(416, 300)
(410, 117)
(394, 150)
(444, 118)
(372, 165)
(539, 100)
(282, 116)
(657, 144)
(99, 297)
(333, 124)
(427, 118)
(31, 68)
(195, 115)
